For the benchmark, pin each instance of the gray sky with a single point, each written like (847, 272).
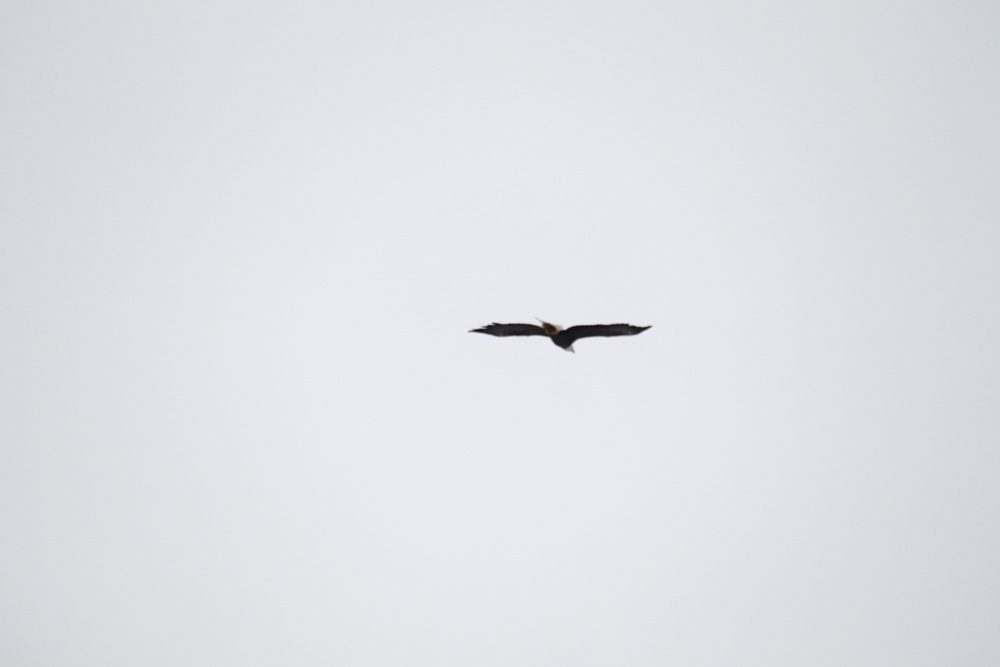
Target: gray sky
(244, 424)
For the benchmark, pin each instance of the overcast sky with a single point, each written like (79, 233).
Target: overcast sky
(242, 421)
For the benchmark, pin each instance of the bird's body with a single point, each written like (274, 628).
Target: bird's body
(564, 338)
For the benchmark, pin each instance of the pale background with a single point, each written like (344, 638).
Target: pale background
(243, 422)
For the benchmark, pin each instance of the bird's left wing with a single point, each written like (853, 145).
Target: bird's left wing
(496, 329)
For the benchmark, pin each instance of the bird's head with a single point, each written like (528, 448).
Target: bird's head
(550, 329)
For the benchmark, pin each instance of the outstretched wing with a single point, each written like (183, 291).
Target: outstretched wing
(567, 336)
(511, 330)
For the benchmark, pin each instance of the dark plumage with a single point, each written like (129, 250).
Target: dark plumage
(564, 338)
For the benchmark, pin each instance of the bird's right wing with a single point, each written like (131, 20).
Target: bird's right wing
(496, 329)
(588, 330)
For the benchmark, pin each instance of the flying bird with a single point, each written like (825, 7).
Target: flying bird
(564, 338)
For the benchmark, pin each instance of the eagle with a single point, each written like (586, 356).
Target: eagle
(564, 338)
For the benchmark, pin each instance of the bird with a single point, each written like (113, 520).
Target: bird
(564, 338)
